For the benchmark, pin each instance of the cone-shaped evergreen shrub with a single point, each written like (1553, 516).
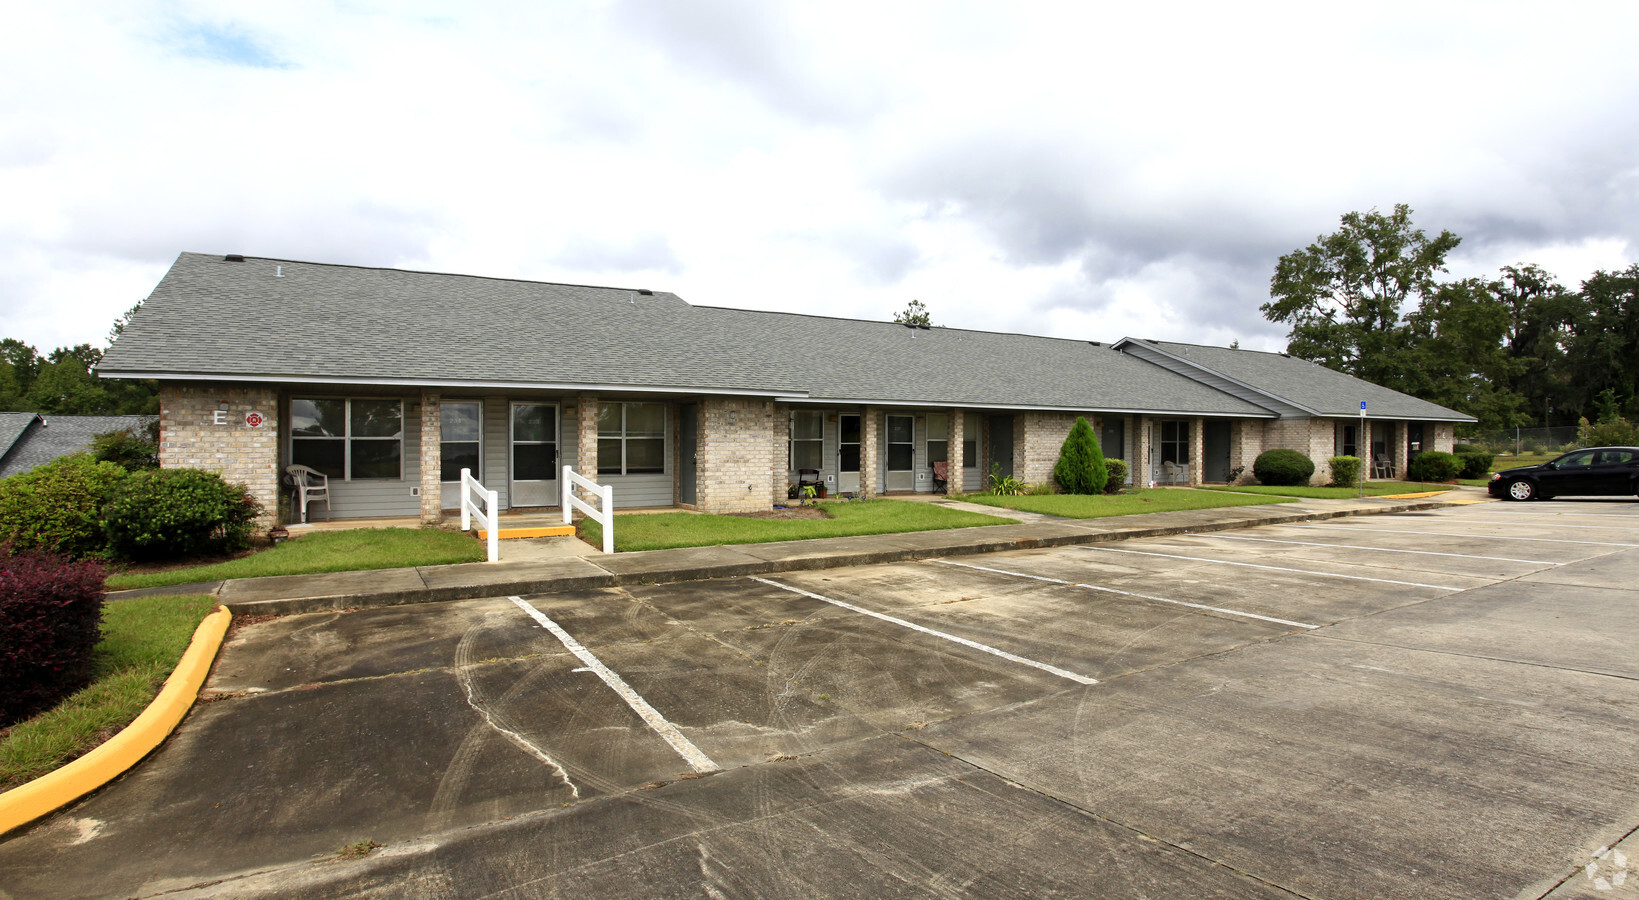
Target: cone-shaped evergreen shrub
(1080, 468)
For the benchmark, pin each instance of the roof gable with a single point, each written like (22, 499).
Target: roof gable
(1295, 386)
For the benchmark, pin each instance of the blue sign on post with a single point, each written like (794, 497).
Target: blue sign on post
(1362, 407)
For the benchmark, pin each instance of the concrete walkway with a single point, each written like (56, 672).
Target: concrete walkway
(285, 594)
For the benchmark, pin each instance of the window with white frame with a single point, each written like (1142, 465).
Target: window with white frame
(971, 423)
(461, 432)
(807, 439)
(1346, 440)
(631, 438)
(352, 439)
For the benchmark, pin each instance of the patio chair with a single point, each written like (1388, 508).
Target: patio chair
(1174, 473)
(941, 477)
(311, 485)
(808, 478)
(1382, 467)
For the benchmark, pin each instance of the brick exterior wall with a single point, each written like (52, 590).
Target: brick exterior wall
(1037, 439)
(953, 440)
(1140, 461)
(586, 437)
(432, 430)
(203, 427)
(779, 448)
(1445, 437)
(1197, 451)
(870, 432)
(738, 471)
(1398, 451)
(1245, 443)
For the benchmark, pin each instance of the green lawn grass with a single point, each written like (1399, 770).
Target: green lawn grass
(328, 551)
(142, 639)
(659, 531)
(1510, 461)
(1098, 506)
(1373, 489)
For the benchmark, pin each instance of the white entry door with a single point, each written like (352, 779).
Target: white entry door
(533, 472)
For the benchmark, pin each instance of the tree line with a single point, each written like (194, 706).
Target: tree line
(1512, 350)
(64, 381)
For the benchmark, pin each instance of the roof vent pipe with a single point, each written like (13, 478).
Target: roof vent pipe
(278, 271)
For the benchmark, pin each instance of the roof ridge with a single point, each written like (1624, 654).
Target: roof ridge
(328, 265)
(784, 312)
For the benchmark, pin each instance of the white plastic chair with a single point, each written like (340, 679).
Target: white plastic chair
(311, 485)
(1174, 473)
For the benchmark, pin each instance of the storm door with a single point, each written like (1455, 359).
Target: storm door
(901, 434)
(848, 454)
(534, 468)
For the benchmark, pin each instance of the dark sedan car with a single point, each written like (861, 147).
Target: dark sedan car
(1596, 471)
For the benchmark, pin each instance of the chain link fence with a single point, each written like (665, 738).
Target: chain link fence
(1557, 439)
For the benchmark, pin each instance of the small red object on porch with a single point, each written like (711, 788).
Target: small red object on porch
(941, 477)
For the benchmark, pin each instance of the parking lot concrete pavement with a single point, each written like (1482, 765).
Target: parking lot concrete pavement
(285, 594)
(1430, 704)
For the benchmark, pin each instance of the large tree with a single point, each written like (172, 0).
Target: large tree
(1345, 295)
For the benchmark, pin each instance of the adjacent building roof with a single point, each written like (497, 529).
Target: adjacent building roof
(28, 440)
(1287, 384)
(258, 319)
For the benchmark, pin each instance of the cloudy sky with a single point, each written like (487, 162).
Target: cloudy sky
(1075, 169)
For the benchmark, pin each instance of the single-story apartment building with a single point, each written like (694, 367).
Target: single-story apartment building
(392, 381)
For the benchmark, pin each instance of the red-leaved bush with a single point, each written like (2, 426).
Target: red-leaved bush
(50, 618)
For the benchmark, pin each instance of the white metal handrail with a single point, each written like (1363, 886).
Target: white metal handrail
(603, 513)
(485, 516)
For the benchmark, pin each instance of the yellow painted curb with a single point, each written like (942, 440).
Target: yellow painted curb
(1412, 496)
(22, 805)
(544, 531)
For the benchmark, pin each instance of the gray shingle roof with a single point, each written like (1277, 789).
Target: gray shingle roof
(277, 319)
(12, 427)
(58, 436)
(1306, 384)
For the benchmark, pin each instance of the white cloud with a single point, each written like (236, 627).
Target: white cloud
(1077, 170)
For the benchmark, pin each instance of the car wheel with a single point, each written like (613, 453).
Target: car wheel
(1520, 489)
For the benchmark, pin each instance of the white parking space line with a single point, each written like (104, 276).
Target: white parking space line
(1516, 511)
(1225, 562)
(1053, 670)
(1110, 590)
(1556, 524)
(1225, 537)
(685, 748)
(1484, 537)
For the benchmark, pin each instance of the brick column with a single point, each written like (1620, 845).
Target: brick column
(1197, 451)
(779, 447)
(586, 437)
(1141, 453)
(1397, 448)
(953, 439)
(432, 453)
(868, 433)
(1245, 443)
(210, 426)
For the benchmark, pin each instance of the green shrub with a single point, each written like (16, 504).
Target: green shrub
(1460, 449)
(1005, 485)
(1614, 431)
(129, 448)
(1117, 471)
(1283, 467)
(57, 507)
(1345, 470)
(175, 513)
(1475, 464)
(1434, 465)
(1080, 469)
